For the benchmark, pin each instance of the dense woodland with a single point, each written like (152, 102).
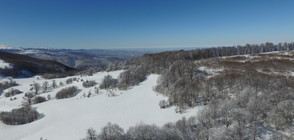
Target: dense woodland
(247, 96)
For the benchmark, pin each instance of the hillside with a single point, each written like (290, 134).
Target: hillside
(247, 96)
(72, 116)
(80, 59)
(22, 66)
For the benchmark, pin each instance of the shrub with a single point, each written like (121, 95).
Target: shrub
(12, 92)
(88, 84)
(163, 104)
(108, 82)
(19, 116)
(7, 84)
(39, 99)
(67, 92)
(30, 95)
(69, 81)
(61, 84)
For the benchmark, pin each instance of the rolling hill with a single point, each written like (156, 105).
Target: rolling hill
(23, 66)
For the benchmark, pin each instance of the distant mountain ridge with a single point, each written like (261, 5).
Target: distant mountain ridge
(81, 59)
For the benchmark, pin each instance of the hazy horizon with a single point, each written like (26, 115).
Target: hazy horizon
(115, 49)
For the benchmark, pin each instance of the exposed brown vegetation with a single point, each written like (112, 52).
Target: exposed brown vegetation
(243, 94)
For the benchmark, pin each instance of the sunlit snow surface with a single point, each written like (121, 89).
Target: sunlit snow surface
(68, 119)
(4, 65)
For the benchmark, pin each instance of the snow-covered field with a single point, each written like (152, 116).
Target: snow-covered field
(68, 119)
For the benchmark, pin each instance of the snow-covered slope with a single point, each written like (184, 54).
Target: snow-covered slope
(3, 47)
(4, 65)
(68, 119)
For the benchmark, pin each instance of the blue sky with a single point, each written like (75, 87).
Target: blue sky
(85, 24)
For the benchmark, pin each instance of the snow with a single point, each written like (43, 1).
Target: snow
(4, 65)
(68, 119)
(28, 52)
(3, 47)
(210, 71)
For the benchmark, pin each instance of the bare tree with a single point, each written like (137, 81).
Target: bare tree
(54, 85)
(108, 82)
(37, 87)
(91, 134)
(111, 132)
(96, 90)
(45, 86)
(144, 132)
